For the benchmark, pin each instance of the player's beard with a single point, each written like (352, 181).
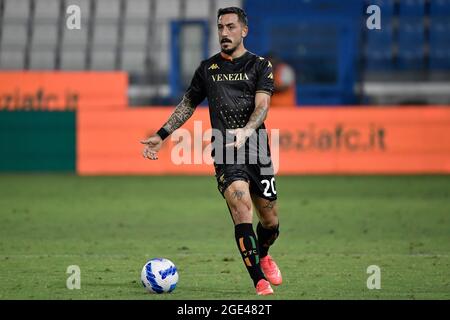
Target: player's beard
(230, 50)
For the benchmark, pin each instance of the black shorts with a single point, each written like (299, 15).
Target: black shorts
(261, 179)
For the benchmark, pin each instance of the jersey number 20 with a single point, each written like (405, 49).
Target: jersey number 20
(269, 185)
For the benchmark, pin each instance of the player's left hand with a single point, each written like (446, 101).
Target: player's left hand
(241, 136)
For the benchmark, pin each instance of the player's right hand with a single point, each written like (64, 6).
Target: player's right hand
(152, 146)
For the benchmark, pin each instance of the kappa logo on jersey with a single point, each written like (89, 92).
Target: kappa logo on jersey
(270, 76)
(214, 66)
(268, 62)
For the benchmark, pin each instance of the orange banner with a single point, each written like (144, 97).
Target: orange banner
(361, 140)
(63, 90)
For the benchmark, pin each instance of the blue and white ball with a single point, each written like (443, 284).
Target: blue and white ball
(159, 275)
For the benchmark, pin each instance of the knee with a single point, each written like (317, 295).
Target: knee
(241, 207)
(238, 198)
(270, 219)
(270, 223)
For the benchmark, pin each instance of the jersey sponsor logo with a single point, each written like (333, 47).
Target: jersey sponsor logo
(214, 66)
(229, 77)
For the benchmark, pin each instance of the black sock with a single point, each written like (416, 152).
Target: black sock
(266, 237)
(248, 247)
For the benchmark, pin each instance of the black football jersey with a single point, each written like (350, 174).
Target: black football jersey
(230, 87)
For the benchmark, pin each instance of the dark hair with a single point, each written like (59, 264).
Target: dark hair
(240, 13)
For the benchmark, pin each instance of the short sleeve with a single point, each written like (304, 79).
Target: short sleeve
(265, 76)
(196, 92)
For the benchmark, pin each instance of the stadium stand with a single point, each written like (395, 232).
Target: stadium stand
(325, 41)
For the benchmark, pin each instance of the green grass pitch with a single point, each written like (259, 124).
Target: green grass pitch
(332, 229)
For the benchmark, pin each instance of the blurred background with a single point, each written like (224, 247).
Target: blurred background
(336, 59)
(323, 51)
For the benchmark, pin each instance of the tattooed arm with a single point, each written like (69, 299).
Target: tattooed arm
(181, 114)
(262, 102)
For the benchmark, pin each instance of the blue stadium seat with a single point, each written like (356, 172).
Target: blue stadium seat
(386, 7)
(380, 36)
(411, 43)
(387, 11)
(440, 58)
(440, 8)
(411, 59)
(378, 50)
(439, 31)
(412, 8)
(439, 44)
(378, 60)
(411, 33)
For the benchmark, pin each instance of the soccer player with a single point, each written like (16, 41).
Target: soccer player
(238, 85)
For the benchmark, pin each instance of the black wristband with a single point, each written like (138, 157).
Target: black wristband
(163, 133)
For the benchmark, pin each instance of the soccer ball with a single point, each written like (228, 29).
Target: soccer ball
(159, 275)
